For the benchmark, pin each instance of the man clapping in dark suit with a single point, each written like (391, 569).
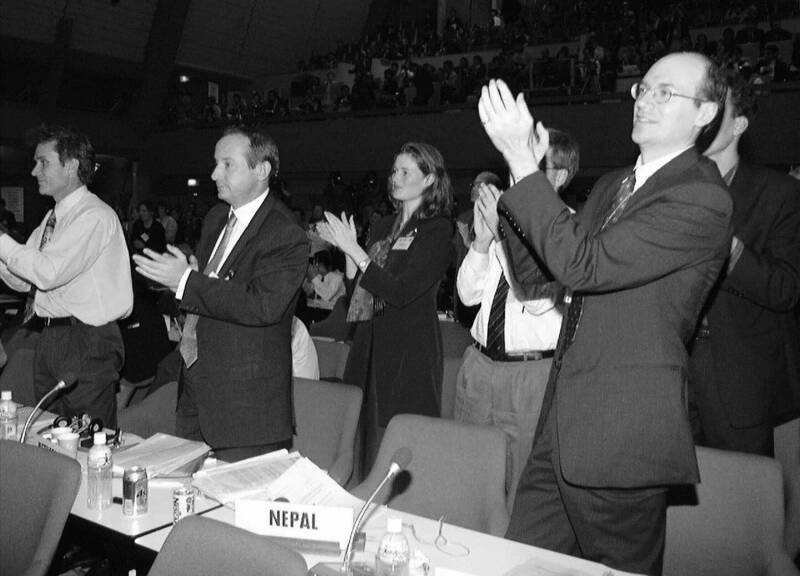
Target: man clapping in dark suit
(745, 358)
(638, 260)
(239, 296)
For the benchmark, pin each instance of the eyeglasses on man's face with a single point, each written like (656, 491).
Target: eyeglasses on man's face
(660, 94)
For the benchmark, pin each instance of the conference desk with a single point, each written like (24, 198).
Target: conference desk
(135, 541)
(111, 525)
(487, 555)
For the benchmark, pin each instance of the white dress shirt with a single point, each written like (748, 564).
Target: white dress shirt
(529, 324)
(305, 363)
(84, 271)
(244, 215)
(644, 171)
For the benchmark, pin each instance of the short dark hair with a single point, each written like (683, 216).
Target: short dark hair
(323, 257)
(262, 147)
(437, 199)
(147, 204)
(743, 96)
(70, 145)
(713, 88)
(566, 153)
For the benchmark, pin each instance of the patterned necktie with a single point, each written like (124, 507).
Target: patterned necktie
(188, 344)
(575, 310)
(495, 330)
(46, 236)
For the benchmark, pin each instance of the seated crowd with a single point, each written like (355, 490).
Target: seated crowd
(597, 42)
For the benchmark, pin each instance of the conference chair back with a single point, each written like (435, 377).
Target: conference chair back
(332, 358)
(732, 524)
(199, 546)
(458, 471)
(787, 452)
(37, 490)
(155, 413)
(335, 326)
(451, 366)
(326, 416)
(455, 339)
(17, 376)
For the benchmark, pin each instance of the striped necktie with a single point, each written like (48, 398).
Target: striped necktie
(617, 206)
(46, 236)
(188, 344)
(496, 328)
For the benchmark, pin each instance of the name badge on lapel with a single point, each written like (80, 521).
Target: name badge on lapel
(404, 242)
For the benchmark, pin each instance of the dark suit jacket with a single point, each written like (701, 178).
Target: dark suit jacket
(241, 381)
(754, 334)
(621, 389)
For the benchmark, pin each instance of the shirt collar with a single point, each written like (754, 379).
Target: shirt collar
(69, 201)
(644, 171)
(246, 212)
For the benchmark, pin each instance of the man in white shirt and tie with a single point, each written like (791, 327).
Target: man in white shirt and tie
(75, 269)
(236, 381)
(503, 376)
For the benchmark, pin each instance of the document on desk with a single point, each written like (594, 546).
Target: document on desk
(306, 483)
(244, 479)
(160, 454)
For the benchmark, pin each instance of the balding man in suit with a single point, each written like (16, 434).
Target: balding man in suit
(638, 261)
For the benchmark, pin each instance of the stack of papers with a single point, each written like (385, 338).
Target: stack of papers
(244, 479)
(161, 454)
(279, 475)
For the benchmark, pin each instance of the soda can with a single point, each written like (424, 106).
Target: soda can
(182, 503)
(134, 491)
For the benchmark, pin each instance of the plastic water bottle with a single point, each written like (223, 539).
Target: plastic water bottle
(393, 552)
(98, 474)
(8, 416)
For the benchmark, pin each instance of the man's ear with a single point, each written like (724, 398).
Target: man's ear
(561, 178)
(708, 111)
(740, 125)
(263, 170)
(72, 166)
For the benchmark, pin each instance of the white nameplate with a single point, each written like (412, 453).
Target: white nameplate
(286, 520)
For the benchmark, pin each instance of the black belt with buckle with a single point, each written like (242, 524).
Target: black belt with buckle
(39, 322)
(528, 356)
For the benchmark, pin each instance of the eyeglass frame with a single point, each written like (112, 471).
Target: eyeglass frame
(635, 94)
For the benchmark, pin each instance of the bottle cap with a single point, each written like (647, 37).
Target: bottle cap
(99, 438)
(5, 395)
(394, 525)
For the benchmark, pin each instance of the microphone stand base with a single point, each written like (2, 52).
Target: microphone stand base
(336, 569)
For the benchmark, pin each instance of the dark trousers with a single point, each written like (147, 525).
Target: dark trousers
(187, 425)
(94, 354)
(711, 425)
(621, 528)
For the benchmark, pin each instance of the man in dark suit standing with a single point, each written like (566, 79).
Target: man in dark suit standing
(239, 295)
(745, 358)
(638, 262)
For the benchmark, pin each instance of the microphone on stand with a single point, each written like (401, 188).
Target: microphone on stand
(67, 381)
(400, 460)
